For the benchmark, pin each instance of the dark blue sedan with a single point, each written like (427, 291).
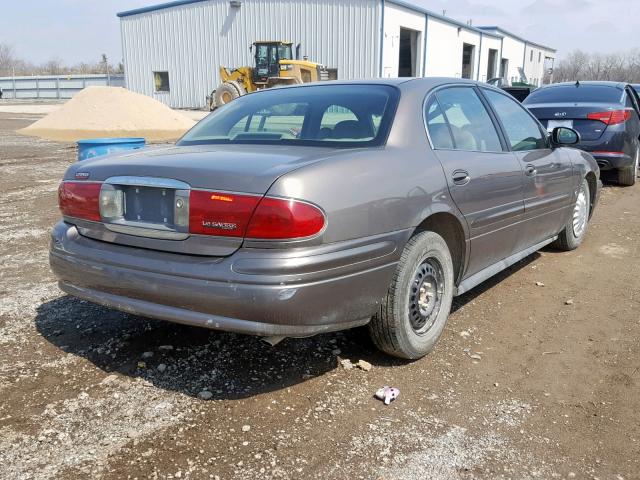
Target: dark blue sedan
(605, 114)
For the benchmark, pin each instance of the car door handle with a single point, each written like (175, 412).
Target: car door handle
(530, 171)
(460, 177)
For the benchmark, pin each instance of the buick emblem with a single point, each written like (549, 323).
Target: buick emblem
(560, 114)
(82, 175)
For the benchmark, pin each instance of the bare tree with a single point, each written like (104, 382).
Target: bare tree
(7, 60)
(578, 65)
(53, 67)
(11, 65)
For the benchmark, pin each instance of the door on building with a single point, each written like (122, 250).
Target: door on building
(408, 54)
(504, 69)
(491, 64)
(468, 54)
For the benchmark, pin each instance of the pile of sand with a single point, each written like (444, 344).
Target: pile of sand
(99, 112)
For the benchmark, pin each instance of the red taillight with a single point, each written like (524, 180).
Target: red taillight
(80, 200)
(611, 117)
(215, 213)
(233, 215)
(279, 218)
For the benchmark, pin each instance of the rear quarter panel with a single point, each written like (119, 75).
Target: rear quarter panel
(583, 163)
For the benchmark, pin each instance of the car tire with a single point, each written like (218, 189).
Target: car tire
(627, 175)
(576, 227)
(414, 312)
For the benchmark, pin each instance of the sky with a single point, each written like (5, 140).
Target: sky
(81, 30)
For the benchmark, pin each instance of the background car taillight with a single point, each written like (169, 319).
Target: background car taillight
(233, 215)
(80, 200)
(611, 117)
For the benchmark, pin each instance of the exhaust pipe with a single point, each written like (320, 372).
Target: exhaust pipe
(273, 340)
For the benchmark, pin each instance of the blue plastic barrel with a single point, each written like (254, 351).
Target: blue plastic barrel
(95, 147)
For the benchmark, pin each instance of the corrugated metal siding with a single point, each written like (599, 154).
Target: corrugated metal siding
(191, 41)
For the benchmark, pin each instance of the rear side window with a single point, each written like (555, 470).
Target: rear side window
(437, 125)
(523, 132)
(573, 93)
(468, 121)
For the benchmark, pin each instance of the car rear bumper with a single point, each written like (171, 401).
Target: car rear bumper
(297, 292)
(609, 161)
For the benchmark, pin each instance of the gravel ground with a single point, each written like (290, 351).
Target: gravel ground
(523, 384)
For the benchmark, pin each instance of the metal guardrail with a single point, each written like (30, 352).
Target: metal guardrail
(54, 86)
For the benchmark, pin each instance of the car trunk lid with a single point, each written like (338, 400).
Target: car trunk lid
(145, 195)
(574, 115)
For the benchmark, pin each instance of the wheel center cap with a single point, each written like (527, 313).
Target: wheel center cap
(426, 295)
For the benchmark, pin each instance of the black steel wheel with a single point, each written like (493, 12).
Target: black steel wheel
(414, 312)
(425, 295)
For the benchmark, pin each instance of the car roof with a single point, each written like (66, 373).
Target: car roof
(429, 81)
(404, 83)
(619, 85)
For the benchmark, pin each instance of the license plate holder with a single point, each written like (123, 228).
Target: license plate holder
(149, 204)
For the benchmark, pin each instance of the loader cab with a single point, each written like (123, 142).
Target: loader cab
(267, 59)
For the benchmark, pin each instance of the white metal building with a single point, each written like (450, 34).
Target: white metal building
(186, 41)
(533, 58)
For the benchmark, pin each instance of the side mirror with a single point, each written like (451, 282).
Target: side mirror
(564, 136)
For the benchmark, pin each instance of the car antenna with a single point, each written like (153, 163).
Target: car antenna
(577, 83)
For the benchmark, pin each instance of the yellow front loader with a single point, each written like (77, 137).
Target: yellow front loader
(274, 66)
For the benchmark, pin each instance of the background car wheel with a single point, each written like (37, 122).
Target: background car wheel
(576, 228)
(416, 307)
(627, 176)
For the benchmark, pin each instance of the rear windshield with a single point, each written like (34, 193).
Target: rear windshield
(326, 115)
(571, 93)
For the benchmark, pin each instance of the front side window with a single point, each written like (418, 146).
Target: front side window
(468, 120)
(328, 115)
(523, 132)
(262, 54)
